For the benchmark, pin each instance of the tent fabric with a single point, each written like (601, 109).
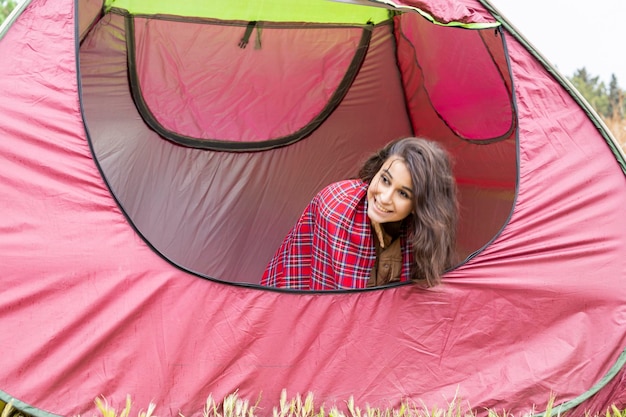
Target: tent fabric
(101, 297)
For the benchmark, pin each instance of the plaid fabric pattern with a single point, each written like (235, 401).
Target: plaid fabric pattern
(331, 246)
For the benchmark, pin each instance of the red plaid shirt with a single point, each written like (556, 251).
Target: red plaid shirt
(331, 246)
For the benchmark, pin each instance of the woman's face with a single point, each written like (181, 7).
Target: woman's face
(390, 194)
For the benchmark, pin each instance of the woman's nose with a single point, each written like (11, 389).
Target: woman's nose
(385, 196)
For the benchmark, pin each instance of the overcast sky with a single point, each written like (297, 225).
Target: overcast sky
(573, 33)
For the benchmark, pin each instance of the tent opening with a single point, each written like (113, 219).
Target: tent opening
(213, 134)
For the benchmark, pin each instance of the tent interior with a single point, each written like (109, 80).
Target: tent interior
(214, 129)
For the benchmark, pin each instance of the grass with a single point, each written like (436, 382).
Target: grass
(304, 406)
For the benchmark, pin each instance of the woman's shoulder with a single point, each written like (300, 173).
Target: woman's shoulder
(343, 198)
(343, 190)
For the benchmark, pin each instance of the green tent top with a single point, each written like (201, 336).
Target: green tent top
(313, 11)
(320, 11)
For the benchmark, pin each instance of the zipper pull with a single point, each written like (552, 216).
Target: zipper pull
(246, 36)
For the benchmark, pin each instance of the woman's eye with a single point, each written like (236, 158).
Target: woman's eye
(384, 179)
(404, 194)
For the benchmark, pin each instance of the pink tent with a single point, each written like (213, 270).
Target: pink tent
(154, 155)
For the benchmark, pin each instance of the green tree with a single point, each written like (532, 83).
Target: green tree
(616, 99)
(6, 6)
(593, 90)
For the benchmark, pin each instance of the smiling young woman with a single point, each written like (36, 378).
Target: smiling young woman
(397, 222)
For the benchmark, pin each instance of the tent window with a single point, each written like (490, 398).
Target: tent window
(462, 74)
(240, 85)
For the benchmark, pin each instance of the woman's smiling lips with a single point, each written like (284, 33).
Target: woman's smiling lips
(381, 208)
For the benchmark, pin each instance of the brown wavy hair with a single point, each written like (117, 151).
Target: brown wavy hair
(431, 226)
